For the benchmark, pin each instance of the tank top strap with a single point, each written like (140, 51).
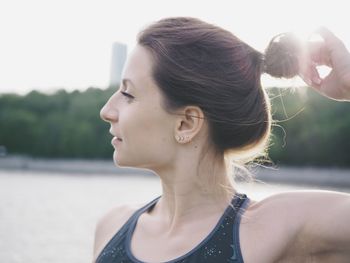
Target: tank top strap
(137, 213)
(240, 205)
(118, 237)
(141, 210)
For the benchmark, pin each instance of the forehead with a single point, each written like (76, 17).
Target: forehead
(138, 66)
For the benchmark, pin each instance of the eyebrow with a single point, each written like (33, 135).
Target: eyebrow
(124, 81)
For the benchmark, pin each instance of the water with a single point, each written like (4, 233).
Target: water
(52, 217)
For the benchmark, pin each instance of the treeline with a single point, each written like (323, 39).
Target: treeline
(59, 125)
(308, 130)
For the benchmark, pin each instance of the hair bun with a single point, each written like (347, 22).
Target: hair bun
(281, 56)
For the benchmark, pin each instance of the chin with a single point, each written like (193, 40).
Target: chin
(116, 159)
(121, 163)
(130, 163)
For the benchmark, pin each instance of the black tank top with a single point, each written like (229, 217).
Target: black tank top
(221, 245)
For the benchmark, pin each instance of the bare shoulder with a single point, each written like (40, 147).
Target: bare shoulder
(281, 214)
(110, 223)
(295, 207)
(296, 201)
(304, 202)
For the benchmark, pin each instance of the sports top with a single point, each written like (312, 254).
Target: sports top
(221, 244)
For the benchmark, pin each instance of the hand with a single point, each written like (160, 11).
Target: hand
(332, 53)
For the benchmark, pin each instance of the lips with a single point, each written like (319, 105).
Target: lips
(115, 141)
(115, 136)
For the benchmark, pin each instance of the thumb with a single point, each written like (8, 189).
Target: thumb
(328, 36)
(332, 42)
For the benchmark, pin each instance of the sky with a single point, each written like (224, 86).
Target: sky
(47, 45)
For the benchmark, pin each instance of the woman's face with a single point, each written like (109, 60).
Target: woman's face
(143, 131)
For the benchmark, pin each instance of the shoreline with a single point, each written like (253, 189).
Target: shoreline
(314, 176)
(73, 166)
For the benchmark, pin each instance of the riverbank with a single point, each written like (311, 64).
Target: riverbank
(330, 177)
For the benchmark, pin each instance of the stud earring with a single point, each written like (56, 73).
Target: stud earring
(182, 138)
(179, 138)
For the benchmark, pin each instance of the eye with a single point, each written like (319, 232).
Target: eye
(127, 95)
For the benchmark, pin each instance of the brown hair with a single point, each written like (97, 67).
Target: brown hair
(197, 63)
(282, 56)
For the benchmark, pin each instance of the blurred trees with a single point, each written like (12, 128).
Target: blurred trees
(59, 125)
(308, 130)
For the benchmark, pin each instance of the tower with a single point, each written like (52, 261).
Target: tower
(118, 60)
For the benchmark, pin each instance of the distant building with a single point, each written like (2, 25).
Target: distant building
(119, 51)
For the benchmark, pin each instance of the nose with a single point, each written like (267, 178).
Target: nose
(109, 112)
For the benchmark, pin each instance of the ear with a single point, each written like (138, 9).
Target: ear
(188, 123)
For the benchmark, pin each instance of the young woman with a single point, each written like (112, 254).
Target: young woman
(190, 101)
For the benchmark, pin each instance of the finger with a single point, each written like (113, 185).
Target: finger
(335, 45)
(314, 76)
(318, 53)
(311, 76)
(330, 88)
(328, 36)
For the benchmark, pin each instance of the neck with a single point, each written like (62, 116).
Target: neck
(191, 192)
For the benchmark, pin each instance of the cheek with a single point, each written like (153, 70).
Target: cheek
(148, 137)
(152, 129)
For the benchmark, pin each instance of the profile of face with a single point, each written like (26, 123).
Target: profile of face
(143, 131)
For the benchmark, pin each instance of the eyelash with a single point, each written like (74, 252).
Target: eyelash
(127, 95)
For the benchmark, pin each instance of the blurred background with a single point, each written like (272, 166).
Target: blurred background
(59, 63)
